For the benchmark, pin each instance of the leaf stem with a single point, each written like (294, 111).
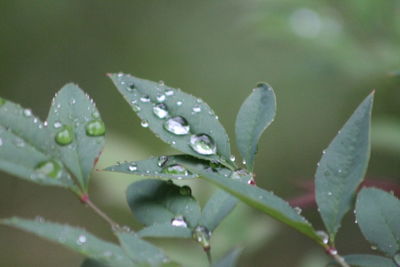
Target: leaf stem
(208, 253)
(339, 259)
(86, 200)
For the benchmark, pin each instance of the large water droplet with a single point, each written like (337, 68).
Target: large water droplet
(324, 236)
(203, 144)
(2, 101)
(179, 221)
(185, 191)
(175, 169)
(160, 110)
(162, 160)
(95, 128)
(65, 136)
(49, 168)
(177, 125)
(202, 235)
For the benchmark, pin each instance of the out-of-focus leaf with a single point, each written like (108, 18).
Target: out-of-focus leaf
(158, 202)
(141, 251)
(229, 260)
(93, 263)
(25, 148)
(77, 131)
(255, 115)
(161, 167)
(258, 198)
(342, 167)
(378, 215)
(216, 209)
(198, 118)
(365, 260)
(165, 230)
(74, 238)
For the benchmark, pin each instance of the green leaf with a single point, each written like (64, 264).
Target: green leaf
(74, 238)
(258, 198)
(165, 230)
(144, 95)
(141, 251)
(365, 260)
(342, 167)
(25, 148)
(157, 202)
(92, 263)
(77, 130)
(216, 209)
(230, 259)
(255, 115)
(160, 167)
(378, 215)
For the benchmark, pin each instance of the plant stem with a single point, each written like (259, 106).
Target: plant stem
(85, 199)
(339, 259)
(208, 256)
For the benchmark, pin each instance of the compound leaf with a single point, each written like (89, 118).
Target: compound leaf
(342, 167)
(255, 115)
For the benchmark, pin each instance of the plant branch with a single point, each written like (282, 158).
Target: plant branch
(85, 199)
(339, 259)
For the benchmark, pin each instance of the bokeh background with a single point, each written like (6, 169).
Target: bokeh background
(322, 58)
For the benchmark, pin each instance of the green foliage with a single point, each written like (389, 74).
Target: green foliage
(342, 167)
(64, 150)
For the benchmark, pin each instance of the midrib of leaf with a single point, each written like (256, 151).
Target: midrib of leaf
(385, 220)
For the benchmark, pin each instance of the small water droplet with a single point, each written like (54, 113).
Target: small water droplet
(175, 169)
(57, 124)
(179, 221)
(144, 124)
(160, 110)
(232, 158)
(49, 168)
(39, 219)
(162, 160)
(27, 112)
(160, 98)
(203, 144)
(244, 162)
(169, 92)
(185, 191)
(1, 142)
(132, 167)
(145, 99)
(179, 103)
(95, 128)
(131, 87)
(82, 239)
(329, 193)
(373, 247)
(161, 83)
(202, 235)
(64, 136)
(298, 210)
(18, 142)
(324, 236)
(177, 125)
(196, 109)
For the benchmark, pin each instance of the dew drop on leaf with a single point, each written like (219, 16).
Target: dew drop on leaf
(145, 99)
(95, 128)
(179, 221)
(57, 124)
(179, 103)
(49, 168)
(196, 109)
(232, 158)
(132, 167)
(175, 169)
(160, 98)
(202, 235)
(81, 240)
(162, 160)
(144, 124)
(169, 92)
(27, 112)
(203, 144)
(161, 111)
(324, 236)
(64, 136)
(185, 191)
(177, 125)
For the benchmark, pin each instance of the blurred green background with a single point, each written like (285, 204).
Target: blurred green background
(322, 58)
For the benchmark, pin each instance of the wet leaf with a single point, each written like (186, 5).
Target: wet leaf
(165, 230)
(365, 260)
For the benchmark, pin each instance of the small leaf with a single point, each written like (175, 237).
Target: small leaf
(157, 202)
(342, 167)
(378, 215)
(185, 122)
(365, 260)
(141, 251)
(258, 198)
(159, 167)
(165, 230)
(217, 208)
(230, 259)
(255, 115)
(77, 130)
(25, 148)
(74, 238)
